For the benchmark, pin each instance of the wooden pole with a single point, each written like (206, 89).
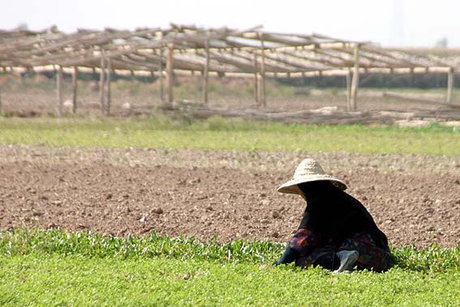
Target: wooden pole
(412, 77)
(108, 87)
(262, 72)
(260, 93)
(59, 90)
(450, 84)
(101, 85)
(206, 72)
(1, 107)
(162, 90)
(74, 89)
(169, 72)
(349, 77)
(355, 79)
(256, 79)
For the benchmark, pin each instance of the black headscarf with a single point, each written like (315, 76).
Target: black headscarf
(332, 212)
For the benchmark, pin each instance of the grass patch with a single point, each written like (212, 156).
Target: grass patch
(59, 268)
(89, 244)
(70, 280)
(229, 134)
(92, 245)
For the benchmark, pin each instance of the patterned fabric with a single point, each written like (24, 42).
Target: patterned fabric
(371, 257)
(313, 250)
(323, 256)
(303, 240)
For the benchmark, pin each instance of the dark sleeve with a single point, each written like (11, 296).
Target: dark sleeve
(288, 256)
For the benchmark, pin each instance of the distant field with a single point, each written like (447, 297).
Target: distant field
(219, 133)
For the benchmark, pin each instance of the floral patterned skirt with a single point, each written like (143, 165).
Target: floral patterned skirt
(313, 251)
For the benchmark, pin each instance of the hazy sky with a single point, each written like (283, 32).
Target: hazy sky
(388, 22)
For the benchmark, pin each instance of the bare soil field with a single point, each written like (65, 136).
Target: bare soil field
(415, 199)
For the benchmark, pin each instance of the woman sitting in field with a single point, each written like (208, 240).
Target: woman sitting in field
(336, 231)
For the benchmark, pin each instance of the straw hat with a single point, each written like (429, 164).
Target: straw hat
(308, 170)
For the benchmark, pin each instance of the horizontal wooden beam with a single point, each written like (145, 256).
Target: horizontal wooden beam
(230, 51)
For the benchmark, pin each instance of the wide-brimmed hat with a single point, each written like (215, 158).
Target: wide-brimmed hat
(309, 170)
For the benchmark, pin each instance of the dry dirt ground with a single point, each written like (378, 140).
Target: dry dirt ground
(415, 199)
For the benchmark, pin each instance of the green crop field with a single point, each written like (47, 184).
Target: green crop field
(55, 267)
(58, 268)
(218, 133)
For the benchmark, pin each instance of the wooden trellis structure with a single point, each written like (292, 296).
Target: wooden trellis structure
(188, 49)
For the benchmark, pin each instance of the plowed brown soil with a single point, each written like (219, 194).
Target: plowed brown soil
(93, 190)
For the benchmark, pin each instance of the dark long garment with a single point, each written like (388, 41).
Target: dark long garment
(334, 221)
